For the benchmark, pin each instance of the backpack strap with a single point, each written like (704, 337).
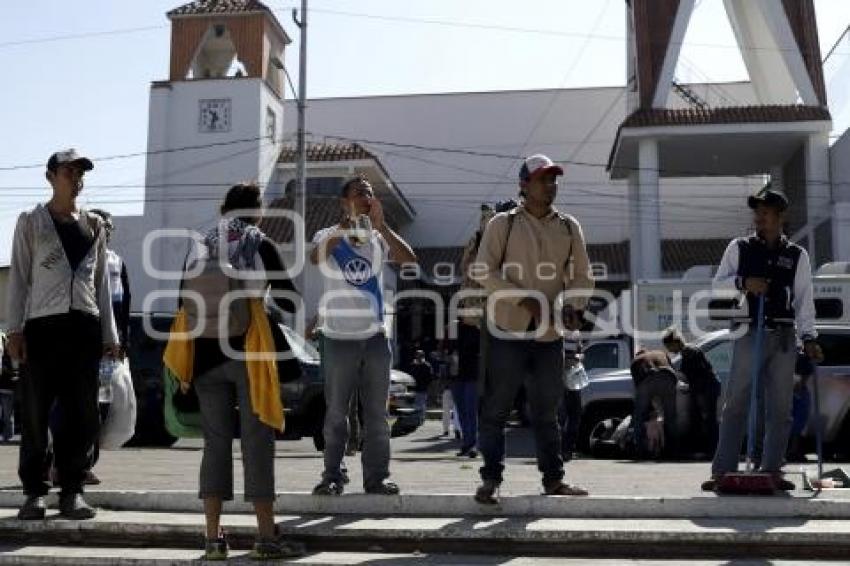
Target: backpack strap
(565, 220)
(511, 217)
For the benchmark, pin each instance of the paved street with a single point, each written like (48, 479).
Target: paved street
(422, 463)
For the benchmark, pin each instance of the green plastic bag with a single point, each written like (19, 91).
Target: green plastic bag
(178, 423)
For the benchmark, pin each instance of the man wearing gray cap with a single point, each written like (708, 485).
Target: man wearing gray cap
(60, 324)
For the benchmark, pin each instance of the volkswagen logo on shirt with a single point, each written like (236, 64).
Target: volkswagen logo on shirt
(357, 271)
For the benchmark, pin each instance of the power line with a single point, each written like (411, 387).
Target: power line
(536, 31)
(148, 153)
(420, 147)
(402, 19)
(83, 35)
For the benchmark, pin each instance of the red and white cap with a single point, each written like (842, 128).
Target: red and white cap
(537, 165)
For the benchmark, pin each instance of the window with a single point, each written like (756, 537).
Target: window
(836, 349)
(602, 356)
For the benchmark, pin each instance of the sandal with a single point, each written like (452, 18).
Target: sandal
(561, 488)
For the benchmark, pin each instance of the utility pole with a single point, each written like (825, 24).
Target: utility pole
(299, 205)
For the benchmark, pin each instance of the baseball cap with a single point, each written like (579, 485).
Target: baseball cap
(769, 196)
(67, 156)
(536, 165)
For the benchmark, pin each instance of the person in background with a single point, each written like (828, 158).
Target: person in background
(703, 389)
(800, 408)
(655, 383)
(569, 413)
(8, 380)
(60, 324)
(119, 286)
(423, 374)
(451, 425)
(470, 379)
(119, 281)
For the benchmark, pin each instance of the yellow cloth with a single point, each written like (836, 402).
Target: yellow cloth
(263, 383)
(179, 354)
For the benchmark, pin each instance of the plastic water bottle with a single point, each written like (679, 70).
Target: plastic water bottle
(108, 366)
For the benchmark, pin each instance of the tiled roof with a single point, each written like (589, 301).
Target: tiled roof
(327, 152)
(321, 212)
(219, 7)
(726, 115)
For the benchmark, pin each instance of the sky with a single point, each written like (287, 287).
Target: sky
(77, 74)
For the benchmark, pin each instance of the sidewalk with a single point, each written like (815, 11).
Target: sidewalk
(422, 463)
(636, 509)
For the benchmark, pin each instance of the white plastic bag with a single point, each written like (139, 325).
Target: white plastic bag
(120, 423)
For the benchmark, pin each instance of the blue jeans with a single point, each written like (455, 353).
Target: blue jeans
(420, 401)
(465, 395)
(776, 381)
(539, 365)
(362, 366)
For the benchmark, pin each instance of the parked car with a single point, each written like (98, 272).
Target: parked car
(611, 395)
(303, 398)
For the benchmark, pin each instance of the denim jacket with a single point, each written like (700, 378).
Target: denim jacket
(41, 281)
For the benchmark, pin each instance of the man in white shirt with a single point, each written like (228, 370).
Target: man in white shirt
(356, 354)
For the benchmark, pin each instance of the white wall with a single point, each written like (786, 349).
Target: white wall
(569, 125)
(839, 162)
(185, 188)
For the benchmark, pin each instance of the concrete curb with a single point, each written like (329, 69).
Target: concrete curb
(553, 537)
(437, 505)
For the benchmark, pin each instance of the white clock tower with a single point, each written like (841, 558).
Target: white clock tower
(217, 121)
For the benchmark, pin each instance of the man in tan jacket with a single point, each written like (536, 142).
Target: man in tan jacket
(528, 257)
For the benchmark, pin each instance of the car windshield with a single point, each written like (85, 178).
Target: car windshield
(302, 349)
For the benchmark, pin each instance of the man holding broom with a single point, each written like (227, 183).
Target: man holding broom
(765, 265)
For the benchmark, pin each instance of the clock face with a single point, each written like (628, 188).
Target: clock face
(214, 115)
(271, 124)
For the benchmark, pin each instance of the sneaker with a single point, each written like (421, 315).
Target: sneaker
(276, 550)
(488, 493)
(329, 487)
(561, 488)
(33, 509)
(386, 487)
(709, 485)
(472, 453)
(73, 506)
(216, 549)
